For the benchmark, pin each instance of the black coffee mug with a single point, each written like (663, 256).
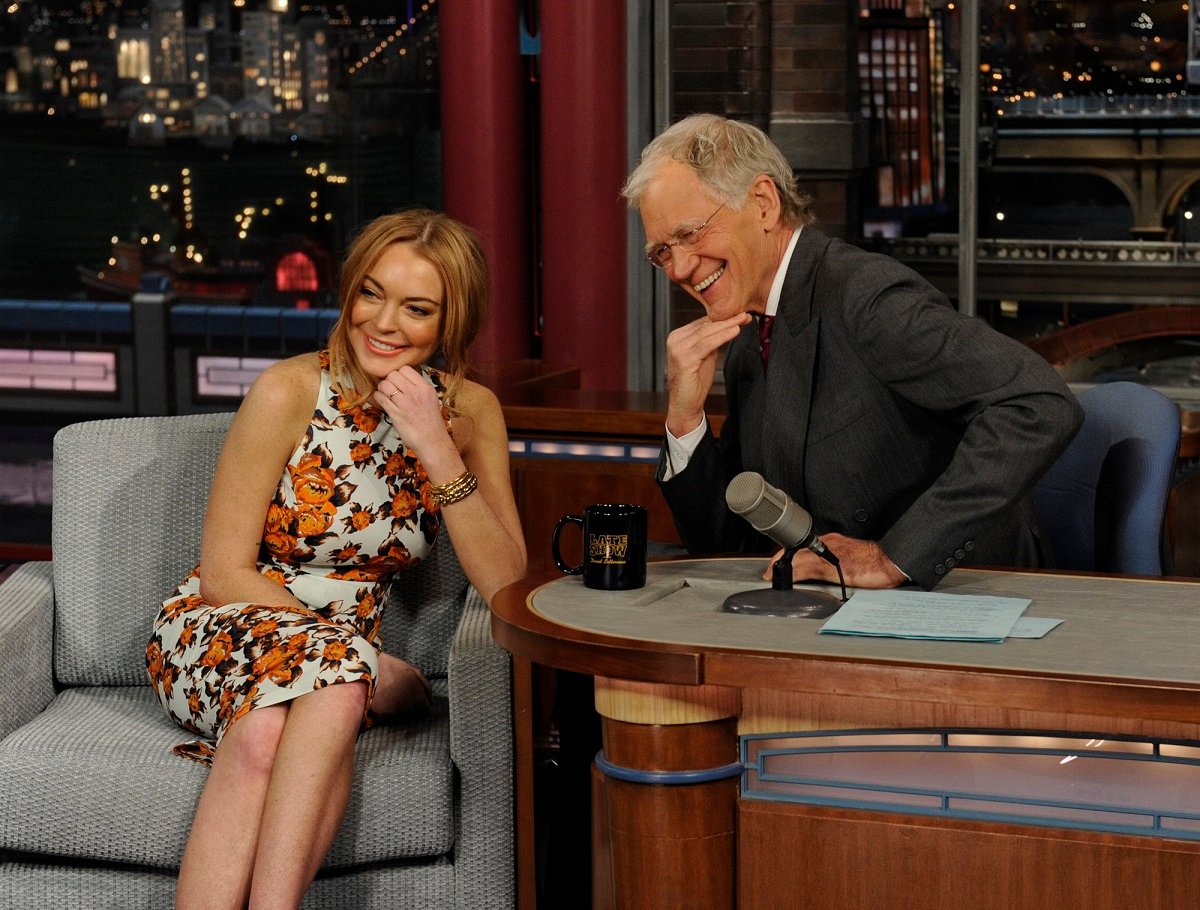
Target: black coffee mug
(614, 546)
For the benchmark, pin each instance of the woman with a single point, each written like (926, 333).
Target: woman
(338, 470)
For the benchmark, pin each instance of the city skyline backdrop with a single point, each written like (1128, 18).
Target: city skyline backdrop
(214, 129)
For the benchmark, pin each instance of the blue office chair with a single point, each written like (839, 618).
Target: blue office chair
(1103, 503)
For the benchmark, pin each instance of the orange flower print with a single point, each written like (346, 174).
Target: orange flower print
(399, 553)
(281, 663)
(361, 573)
(276, 575)
(362, 452)
(365, 419)
(278, 517)
(366, 605)
(335, 652)
(154, 660)
(312, 482)
(193, 701)
(218, 650)
(396, 465)
(427, 502)
(371, 631)
(187, 634)
(225, 703)
(248, 704)
(314, 520)
(404, 503)
(360, 518)
(419, 477)
(184, 605)
(348, 553)
(263, 628)
(280, 544)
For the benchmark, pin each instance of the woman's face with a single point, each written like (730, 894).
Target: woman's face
(396, 315)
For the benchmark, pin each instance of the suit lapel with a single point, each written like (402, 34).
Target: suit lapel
(788, 392)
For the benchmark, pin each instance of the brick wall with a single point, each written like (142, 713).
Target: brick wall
(789, 67)
(721, 58)
(813, 57)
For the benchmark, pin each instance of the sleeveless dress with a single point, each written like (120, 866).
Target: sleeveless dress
(351, 509)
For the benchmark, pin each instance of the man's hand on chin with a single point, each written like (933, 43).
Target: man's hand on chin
(692, 366)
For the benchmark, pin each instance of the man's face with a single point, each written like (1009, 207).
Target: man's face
(730, 264)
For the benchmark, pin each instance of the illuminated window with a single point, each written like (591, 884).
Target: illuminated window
(296, 272)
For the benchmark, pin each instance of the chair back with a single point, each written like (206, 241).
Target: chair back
(126, 515)
(129, 496)
(1103, 503)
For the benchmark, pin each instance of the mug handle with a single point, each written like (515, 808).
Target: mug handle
(558, 560)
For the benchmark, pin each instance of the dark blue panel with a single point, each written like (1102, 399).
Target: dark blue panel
(260, 322)
(189, 319)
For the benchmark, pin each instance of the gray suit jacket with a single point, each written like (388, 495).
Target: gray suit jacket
(888, 415)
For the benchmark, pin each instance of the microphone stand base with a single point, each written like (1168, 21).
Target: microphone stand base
(793, 603)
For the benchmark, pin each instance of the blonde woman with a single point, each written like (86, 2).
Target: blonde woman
(338, 471)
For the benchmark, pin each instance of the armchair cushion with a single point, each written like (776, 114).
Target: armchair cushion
(93, 778)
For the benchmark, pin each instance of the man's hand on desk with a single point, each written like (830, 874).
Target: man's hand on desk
(864, 564)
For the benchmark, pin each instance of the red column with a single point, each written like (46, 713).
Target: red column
(582, 171)
(484, 152)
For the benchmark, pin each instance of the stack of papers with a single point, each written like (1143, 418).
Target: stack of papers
(949, 617)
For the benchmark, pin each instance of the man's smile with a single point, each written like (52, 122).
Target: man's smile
(707, 282)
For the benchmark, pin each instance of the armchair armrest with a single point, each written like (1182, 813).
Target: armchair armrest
(481, 746)
(26, 644)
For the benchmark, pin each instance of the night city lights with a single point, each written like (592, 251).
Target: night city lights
(220, 127)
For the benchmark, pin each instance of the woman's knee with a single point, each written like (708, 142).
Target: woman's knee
(347, 696)
(342, 703)
(252, 741)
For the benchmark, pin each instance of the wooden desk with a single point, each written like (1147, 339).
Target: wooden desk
(677, 683)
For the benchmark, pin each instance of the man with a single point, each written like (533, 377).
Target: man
(911, 433)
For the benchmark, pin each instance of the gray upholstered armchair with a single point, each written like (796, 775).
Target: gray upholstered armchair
(95, 808)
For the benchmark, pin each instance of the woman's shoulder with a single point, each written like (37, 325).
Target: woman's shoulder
(477, 400)
(288, 386)
(478, 417)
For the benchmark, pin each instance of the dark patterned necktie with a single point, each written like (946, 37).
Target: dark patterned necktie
(764, 338)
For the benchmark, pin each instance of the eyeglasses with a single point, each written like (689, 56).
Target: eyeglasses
(660, 255)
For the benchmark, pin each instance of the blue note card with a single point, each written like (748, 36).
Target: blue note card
(919, 614)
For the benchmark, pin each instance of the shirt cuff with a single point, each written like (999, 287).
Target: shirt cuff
(680, 450)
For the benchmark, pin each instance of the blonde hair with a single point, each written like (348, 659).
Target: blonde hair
(726, 156)
(454, 250)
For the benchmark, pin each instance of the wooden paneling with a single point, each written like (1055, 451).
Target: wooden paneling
(547, 489)
(802, 856)
(666, 846)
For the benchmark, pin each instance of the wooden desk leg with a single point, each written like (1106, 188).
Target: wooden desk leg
(665, 797)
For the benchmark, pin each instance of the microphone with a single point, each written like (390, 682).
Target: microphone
(772, 512)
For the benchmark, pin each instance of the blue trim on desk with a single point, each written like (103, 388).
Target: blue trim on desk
(824, 786)
(666, 778)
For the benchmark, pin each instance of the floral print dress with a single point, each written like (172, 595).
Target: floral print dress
(351, 508)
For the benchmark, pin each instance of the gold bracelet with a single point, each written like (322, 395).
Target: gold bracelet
(459, 488)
